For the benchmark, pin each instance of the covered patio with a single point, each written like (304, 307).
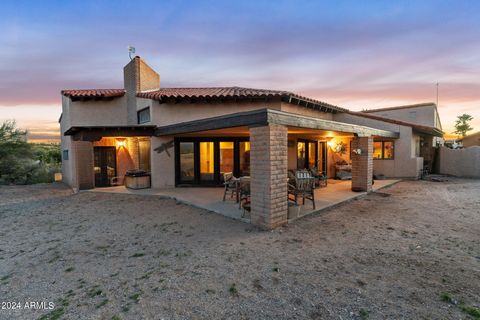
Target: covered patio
(270, 134)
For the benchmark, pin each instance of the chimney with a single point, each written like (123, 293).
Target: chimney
(138, 77)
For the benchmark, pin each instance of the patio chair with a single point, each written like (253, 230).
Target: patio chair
(244, 194)
(320, 178)
(230, 183)
(303, 185)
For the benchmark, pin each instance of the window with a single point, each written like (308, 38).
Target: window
(144, 155)
(187, 169)
(143, 115)
(226, 157)
(383, 150)
(244, 164)
(204, 160)
(207, 161)
(412, 114)
(65, 154)
(306, 154)
(312, 155)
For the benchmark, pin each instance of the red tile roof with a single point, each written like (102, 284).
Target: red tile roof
(94, 93)
(164, 94)
(417, 127)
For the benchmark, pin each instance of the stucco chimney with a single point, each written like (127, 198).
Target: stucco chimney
(138, 77)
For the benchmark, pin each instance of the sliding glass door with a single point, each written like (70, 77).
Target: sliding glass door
(204, 161)
(207, 162)
(186, 162)
(307, 155)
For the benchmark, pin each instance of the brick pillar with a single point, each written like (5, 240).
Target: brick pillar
(362, 164)
(268, 171)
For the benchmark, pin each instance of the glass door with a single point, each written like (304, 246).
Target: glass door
(227, 157)
(187, 162)
(207, 162)
(203, 161)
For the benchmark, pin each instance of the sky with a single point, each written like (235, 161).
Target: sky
(354, 54)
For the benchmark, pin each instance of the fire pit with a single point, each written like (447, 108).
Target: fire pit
(137, 179)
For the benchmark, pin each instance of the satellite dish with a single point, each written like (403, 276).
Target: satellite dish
(131, 50)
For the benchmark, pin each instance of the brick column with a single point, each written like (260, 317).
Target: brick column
(362, 164)
(268, 171)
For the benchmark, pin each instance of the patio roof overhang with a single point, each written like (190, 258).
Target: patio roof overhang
(268, 116)
(95, 133)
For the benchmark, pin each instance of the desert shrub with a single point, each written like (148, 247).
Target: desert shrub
(26, 163)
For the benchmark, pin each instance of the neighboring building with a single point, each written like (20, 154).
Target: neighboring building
(471, 140)
(191, 136)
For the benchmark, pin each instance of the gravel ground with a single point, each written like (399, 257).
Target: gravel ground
(389, 255)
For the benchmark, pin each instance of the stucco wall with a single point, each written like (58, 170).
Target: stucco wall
(96, 113)
(460, 162)
(424, 115)
(166, 114)
(471, 140)
(405, 163)
(163, 163)
(292, 108)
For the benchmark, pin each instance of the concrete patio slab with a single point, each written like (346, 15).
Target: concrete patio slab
(210, 199)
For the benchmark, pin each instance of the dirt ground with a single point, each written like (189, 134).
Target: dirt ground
(397, 254)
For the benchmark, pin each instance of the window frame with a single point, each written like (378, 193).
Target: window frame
(307, 152)
(383, 149)
(141, 111)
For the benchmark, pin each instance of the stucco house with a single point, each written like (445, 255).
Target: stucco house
(187, 137)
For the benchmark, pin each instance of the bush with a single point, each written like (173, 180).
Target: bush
(26, 163)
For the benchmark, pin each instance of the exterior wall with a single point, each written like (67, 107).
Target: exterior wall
(362, 164)
(163, 163)
(460, 162)
(268, 165)
(471, 140)
(166, 114)
(406, 164)
(424, 115)
(67, 165)
(83, 152)
(95, 113)
(292, 108)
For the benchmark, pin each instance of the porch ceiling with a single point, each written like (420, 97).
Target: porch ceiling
(265, 117)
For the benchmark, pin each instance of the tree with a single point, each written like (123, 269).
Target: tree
(462, 124)
(16, 157)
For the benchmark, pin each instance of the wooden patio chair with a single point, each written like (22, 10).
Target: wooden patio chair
(244, 194)
(302, 186)
(230, 183)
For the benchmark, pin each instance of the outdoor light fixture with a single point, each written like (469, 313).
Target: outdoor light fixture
(120, 143)
(357, 151)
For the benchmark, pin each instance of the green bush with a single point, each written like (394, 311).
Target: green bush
(26, 163)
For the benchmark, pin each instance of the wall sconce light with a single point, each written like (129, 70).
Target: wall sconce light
(357, 151)
(120, 143)
(330, 143)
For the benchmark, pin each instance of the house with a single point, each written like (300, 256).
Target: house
(188, 137)
(471, 140)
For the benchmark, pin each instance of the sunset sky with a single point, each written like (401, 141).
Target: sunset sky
(355, 54)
